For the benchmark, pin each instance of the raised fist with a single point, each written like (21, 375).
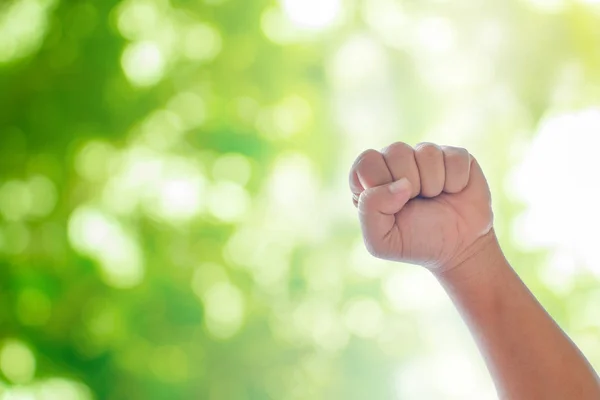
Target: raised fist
(430, 205)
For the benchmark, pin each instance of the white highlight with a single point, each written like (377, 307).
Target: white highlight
(102, 238)
(436, 34)
(23, 25)
(17, 361)
(228, 201)
(558, 182)
(412, 290)
(364, 317)
(143, 63)
(312, 14)
(224, 308)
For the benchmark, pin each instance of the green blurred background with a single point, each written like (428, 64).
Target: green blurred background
(175, 221)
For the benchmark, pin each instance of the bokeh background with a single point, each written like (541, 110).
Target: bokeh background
(175, 221)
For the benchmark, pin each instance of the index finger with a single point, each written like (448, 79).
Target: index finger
(369, 170)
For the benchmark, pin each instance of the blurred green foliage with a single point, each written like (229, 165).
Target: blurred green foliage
(174, 217)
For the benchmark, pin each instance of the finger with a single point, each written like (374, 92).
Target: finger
(369, 170)
(377, 207)
(477, 187)
(430, 161)
(478, 192)
(400, 159)
(457, 162)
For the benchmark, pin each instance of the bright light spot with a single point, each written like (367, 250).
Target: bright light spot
(547, 180)
(492, 36)
(270, 266)
(206, 276)
(62, 389)
(589, 312)
(137, 19)
(288, 118)
(133, 178)
(179, 199)
(560, 272)
(435, 34)
(17, 361)
(228, 201)
(364, 317)
(177, 193)
(365, 94)
(449, 376)
(201, 43)
(92, 161)
(457, 71)
(33, 307)
(344, 69)
(23, 25)
(15, 200)
(190, 107)
(232, 167)
(327, 282)
(549, 6)
(388, 20)
(20, 200)
(224, 308)
(43, 196)
(292, 193)
(242, 246)
(277, 27)
(247, 108)
(409, 289)
(264, 253)
(364, 264)
(293, 115)
(169, 188)
(319, 321)
(312, 14)
(162, 129)
(293, 185)
(103, 238)
(143, 63)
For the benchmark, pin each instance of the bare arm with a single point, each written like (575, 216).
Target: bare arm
(528, 355)
(431, 206)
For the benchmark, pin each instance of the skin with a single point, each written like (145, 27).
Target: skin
(431, 206)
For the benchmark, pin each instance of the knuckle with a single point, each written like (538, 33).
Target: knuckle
(365, 158)
(427, 150)
(454, 149)
(456, 158)
(369, 154)
(398, 150)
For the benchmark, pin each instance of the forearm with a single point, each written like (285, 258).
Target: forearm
(527, 354)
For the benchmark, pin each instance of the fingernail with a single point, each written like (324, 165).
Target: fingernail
(400, 185)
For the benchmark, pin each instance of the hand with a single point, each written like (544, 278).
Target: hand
(430, 205)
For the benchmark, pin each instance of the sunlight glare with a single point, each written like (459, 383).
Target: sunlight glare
(547, 180)
(312, 14)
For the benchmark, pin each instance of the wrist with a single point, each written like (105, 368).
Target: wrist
(479, 263)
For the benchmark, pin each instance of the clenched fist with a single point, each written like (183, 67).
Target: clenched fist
(430, 205)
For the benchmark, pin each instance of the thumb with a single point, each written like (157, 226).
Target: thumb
(377, 206)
